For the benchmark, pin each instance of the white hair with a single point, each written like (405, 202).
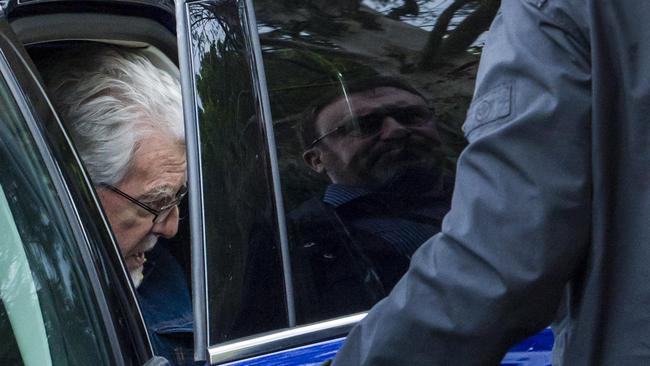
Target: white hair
(111, 98)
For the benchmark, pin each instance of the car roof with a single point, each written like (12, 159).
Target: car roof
(163, 4)
(162, 9)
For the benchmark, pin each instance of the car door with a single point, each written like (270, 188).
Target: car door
(276, 281)
(66, 299)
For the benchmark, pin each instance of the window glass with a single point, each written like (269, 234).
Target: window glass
(9, 353)
(368, 98)
(47, 299)
(244, 271)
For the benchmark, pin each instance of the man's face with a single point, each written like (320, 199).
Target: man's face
(157, 174)
(394, 144)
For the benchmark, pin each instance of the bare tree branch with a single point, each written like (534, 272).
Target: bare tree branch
(470, 28)
(410, 7)
(430, 51)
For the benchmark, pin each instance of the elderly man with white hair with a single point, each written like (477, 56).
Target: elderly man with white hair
(125, 117)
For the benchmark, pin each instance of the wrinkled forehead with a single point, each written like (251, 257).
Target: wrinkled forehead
(159, 161)
(364, 102)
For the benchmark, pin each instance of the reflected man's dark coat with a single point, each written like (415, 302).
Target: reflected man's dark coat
(352, 245)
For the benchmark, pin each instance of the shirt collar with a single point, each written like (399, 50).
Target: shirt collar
(339, 194)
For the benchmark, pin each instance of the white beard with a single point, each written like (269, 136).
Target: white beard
(137, 276)
(147, 244)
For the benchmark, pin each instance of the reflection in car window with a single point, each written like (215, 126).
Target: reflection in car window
(245, 284)
(46, 290)
(368, 98)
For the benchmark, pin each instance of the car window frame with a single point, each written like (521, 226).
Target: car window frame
(264, 111)
(194, 184)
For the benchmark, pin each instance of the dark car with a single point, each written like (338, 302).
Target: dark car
(274, 282)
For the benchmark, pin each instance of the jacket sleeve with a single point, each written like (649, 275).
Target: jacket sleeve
(520, 220)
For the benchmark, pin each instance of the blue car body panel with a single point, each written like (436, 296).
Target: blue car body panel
(312, 354)
(534, 351)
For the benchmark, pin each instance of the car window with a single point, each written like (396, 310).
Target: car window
(327, 159)
(367, 99)
(18, 294)
(9, 351)
(49, 308)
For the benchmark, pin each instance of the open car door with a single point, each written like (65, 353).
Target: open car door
(281, 270)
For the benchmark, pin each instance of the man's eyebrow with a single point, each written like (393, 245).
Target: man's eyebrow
(161, 193)
(391, 104)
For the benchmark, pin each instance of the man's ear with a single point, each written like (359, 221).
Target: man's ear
(312, 158)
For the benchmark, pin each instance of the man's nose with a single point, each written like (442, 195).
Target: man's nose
(392, 129)
(168, 227)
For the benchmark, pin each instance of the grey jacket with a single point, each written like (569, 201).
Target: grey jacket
(551, 202)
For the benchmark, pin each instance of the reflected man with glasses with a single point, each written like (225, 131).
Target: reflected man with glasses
(372, 135)
(124, 116)
(377, 143)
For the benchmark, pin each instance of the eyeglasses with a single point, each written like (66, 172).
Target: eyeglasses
(159, 215)
(371, 124)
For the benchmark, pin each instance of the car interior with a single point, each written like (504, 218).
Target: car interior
(68, 27)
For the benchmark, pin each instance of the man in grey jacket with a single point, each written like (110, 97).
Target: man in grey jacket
(552, 201)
